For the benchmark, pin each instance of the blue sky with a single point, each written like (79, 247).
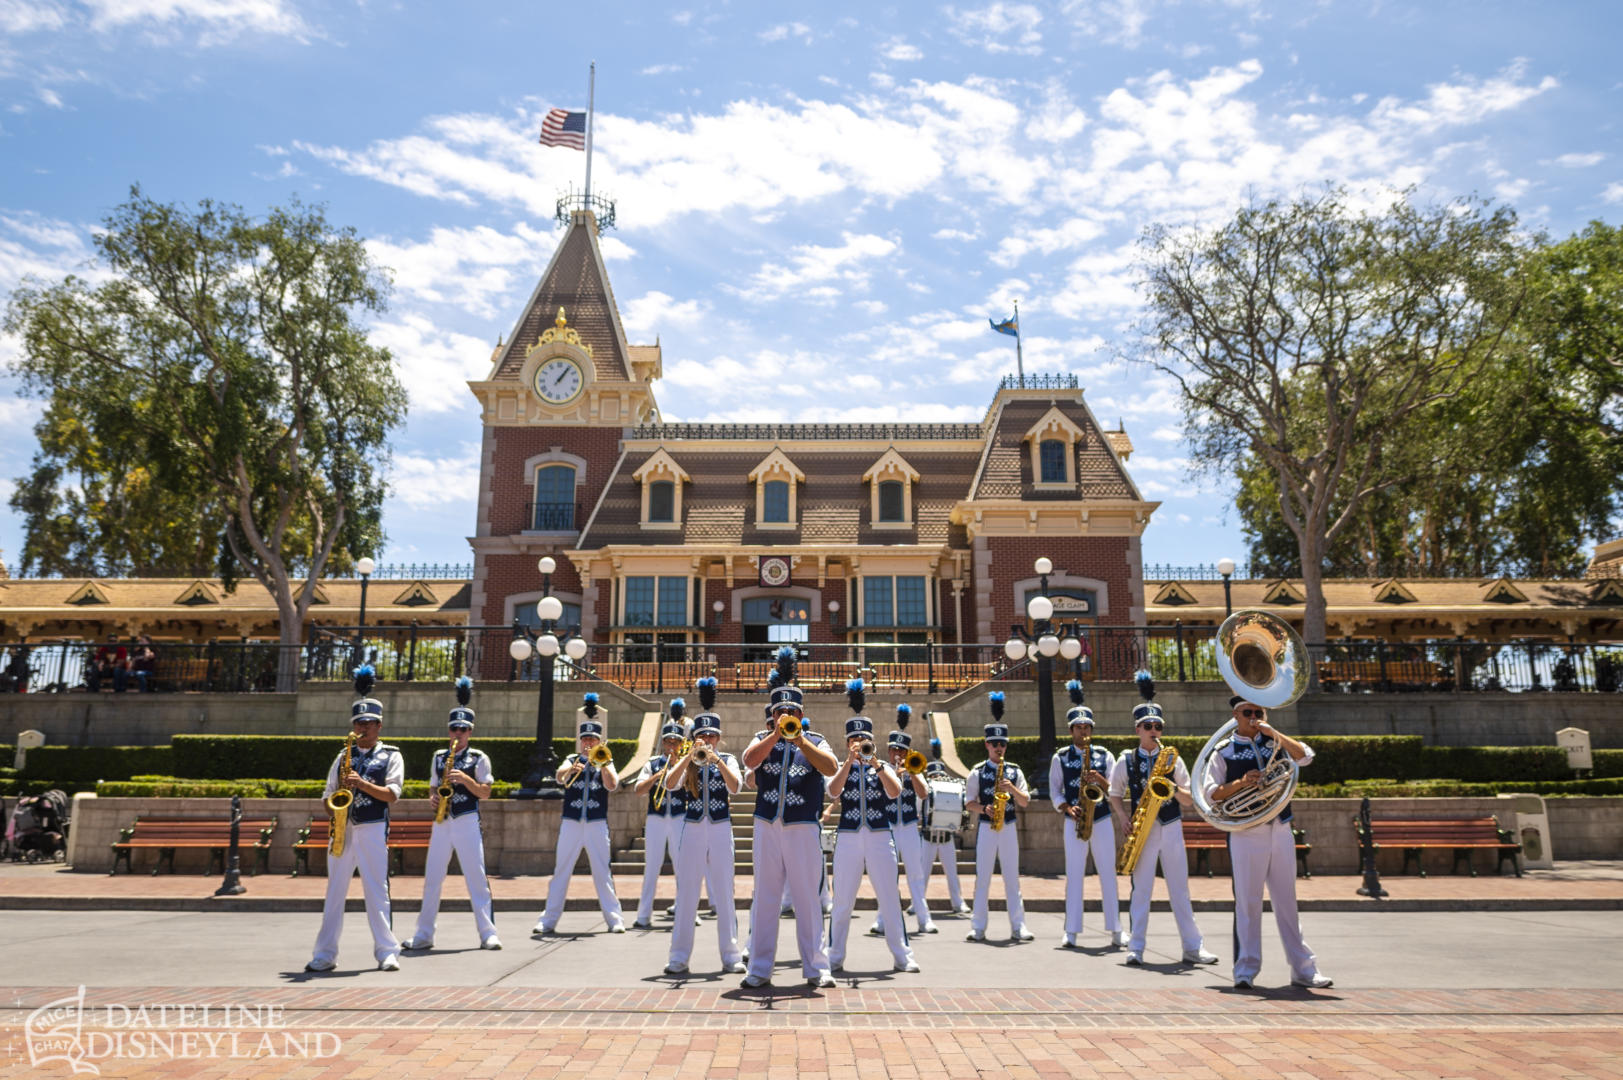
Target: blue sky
(819, 205)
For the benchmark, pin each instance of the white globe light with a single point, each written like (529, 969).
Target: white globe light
(575, 648)
(550, 608)
(1045, 566)
(518, 649)
(547, 645)
(1070, 648)
(1225, 567)
(1040, 608)
(718, 607)
(1048, 645)
(365, 566)
(547, 564)
(1014, 649)
(1031, 650)
(834, 606)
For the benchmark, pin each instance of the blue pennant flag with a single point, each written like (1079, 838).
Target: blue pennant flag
(1010, 326)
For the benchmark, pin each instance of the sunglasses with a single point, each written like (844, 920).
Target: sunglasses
(1251, 714)
(996, 742)
(1154, 725)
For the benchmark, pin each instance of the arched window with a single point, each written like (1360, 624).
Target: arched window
(554, 507)
(662, 501)
(775, 501)
(892, 506)
(1052, 453)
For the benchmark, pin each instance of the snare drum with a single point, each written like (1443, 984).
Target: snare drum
(830, 834)
(943, 810)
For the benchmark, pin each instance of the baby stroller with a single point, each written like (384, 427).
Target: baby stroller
(37, 830)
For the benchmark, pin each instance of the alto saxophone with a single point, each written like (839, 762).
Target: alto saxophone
(1091, 794)
(1157, 790)
(1000, 803)
(444, 789)
(338, 802)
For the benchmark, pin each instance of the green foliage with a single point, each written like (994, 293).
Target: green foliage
(215, 396)
(230, 757)
(169, 787)
(1454, 789)
(91, 763)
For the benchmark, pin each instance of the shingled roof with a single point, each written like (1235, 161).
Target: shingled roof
(575, 281)
(1007, 472)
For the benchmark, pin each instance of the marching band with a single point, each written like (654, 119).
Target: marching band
(1125, 814)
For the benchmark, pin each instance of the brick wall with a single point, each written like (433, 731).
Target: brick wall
(512, 489)
(1103, 558)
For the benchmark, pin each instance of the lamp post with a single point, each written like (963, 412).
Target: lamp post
(1225, 567)
(718, 607)
(834, 616)
(1041, 609)
(539, 782)
(363, 566)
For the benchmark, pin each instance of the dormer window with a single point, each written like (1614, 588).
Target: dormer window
(890, 481)
(1054, 440)
(661, 479)
(776, 480)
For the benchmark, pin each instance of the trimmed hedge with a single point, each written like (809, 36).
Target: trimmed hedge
(15, 788)
(170, 787)
(1443, 789)
(91, 763)
(232, 757)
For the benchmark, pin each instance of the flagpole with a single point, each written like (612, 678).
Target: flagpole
(591, 89)
(1019, 354)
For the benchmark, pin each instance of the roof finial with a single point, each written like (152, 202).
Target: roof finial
(560, 322)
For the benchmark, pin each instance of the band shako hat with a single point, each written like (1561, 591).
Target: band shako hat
(997, 730)
(707, 722)
(365, 708)
(462, 716)
(1078, 712)
(901, 739)
(856, 695)
(591, 725)
(785, 695)
(1146, 690)
(674, 727)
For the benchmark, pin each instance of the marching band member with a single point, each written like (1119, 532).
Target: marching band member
(945, 850)
(375, 774)
(1165, 840)
(704, 851)
(585, 824)
(866, 787)
(667, 806)
(467, 771)
(1263, 854)
(789, 774)
(1068, 774)
(904, 826)
(996, 788)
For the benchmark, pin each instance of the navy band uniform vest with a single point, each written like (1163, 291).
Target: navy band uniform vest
(676, 800)
(1070, 767)
(1240, 756)
(463, 801)
(988, 776)
(586, 799)
(373, 766)
(863, 802)
(787, 787)
(710, 804)
(1139, 768)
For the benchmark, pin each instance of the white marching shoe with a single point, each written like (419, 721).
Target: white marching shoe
(492, 943)
(389, 963)
(1314, 982)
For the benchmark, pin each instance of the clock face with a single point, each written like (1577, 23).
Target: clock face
(774, 571)
(559, 380)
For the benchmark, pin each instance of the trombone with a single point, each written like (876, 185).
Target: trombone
(662, 785)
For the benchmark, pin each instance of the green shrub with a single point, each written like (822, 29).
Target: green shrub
(1607, 763)
(92, 763)
(24, 786)
(171, 787)
(1439, 789)
(229, 757)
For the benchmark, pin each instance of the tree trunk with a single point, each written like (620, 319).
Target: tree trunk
(1310, 544)
(292, 635)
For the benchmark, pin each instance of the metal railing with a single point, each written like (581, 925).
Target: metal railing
(419, 571)
(1111, 654)
(772, 432)
(1039, 382)
(552, 516)
(1197, 572)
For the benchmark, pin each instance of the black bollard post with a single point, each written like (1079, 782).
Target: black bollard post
(1366, 843)
(232, 885)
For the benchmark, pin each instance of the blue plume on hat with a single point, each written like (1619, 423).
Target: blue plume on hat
(590, 705)
(856, 695)
(464, 690)
(1146, 685)
(935, 749)
(364, 678)
(678, 707)
(904, 713)
(785, 670)
(707, 692)
(1074, 688)
(995, 701)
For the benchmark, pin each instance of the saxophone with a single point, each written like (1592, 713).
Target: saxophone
(1000, 802)
(1091, 794)
(1157, 790)
(444, 789)
(338, 802)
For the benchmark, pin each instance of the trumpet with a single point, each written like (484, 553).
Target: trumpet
(702, 756)
(598, 756)
(338, 802)
(790, 727)
(915, 762)
(444, 790)
(663, 784)
(865, 749)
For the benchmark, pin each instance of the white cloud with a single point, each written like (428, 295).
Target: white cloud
(1075, 233)
(785, 30)
(18, 414)
(660, 69)
(433, 363)
(657, 312)
(955, 234)
(897, 49)
(1579, 161)
(998, 27)
(812, 267)
(30, 16)
(1613, 192)
(423, 482)
(222, 18)
(480, 269)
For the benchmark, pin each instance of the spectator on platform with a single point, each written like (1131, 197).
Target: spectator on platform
(111, 663)
(144, 664)
(17, 671)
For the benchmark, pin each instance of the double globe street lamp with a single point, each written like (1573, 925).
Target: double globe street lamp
(540, 641)
(1046, 645)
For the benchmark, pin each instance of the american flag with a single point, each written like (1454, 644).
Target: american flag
(564, 128)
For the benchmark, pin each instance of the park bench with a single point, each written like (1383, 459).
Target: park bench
(409, 834)
(1203, 839)
(1464, 837)
(166, 835)
(1369, 673)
